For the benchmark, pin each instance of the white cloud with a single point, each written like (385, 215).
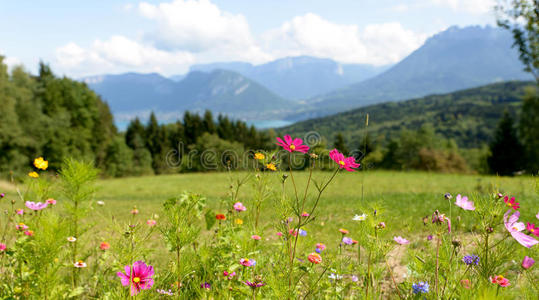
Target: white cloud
(119, 53)
(310, 34)
(400, 7)
(468, 6)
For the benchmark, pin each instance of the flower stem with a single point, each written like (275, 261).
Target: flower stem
(438, 242)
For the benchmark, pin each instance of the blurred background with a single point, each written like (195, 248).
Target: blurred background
(436, 85)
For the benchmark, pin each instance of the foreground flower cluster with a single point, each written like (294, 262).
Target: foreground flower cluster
(190, 250)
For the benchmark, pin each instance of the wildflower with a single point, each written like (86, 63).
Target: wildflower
(465, 283)
(292, 145)
(343, 231)
(420, 287)
(205, 285)
(463, 203)
(500, 280)
(40, 163)
(400, 240)
(305, 214)
(302, 232)
(259, 156)
(138, 277)
(134, 211)
(429, 237)
(471, 259)
(511, 202)
(220, 217)
(163, 292)
(334, 276)
(354, 278)
(527, 262)
(72, 239)
(532, 229)
(2, 195)
(361, 217)
(448, 196)
(104, 246)
(29, 233)
(537, 215)
(229, 275)
(441, 219)
(100, 203)
(499, 195)
(151, 222)
(271, 167)
(21, 226)
(381, 225)
(238, 206)
(254, 285)
(36, 206)
(514, 227)
(347, 241)
(247, 262)
(279, 233)
(2, 247)
(238, 221)
(80, 264)
(347, 163)
(354, 242)
(33, 174)
(315, 258)
(293, 232)
(51, 201)
(19, 211)
(255, 237)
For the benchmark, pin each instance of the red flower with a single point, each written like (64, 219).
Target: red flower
(511, 202)
(315, 258)
(347, 163)
(500, 280)
(292, 145)
(532, 229)
(220, 217)
(104, 246)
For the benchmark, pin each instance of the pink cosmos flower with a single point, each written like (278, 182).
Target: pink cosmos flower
(36, 206)
(279, 233)
(2, 247)
(511, 202)
(254, 285)
(238, 206)
(139, 279)
(247, 262)
(400, 240)
(19, 211)
(347, 163)
(321, 246)
(537, 215)
(292, 145)
(29, 233)
(527, 262)
(500, 280)
(532, 229)
(464, 203)
(514, 227)
(151, 223)
(51, 201)
(255, 237)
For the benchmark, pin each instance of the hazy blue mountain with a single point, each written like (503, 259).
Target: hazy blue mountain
(299, 77)
(220, 91)
(454, 59)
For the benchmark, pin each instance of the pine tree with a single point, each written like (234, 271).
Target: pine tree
(529, 130)
(506, 150)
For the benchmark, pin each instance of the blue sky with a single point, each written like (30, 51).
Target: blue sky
(81, 38)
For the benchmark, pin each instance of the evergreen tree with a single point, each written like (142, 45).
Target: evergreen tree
(135, 135)
(340, 143)
(208, 123)
(529, 130)
(506, 150)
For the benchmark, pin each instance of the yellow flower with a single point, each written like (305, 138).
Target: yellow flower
(239, 221)
(259, 156)
(40, 163)
(33, 174)
(271, 166)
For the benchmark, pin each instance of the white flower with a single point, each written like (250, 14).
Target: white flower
(71, 239)
(360, 217)
(335, 276)
(100, 203)
(80, 264)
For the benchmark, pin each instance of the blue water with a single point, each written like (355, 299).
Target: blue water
(260, 124)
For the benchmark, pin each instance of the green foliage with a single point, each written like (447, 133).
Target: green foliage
(506, 149)
(529, 130)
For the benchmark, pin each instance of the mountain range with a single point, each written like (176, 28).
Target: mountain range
(298, 88)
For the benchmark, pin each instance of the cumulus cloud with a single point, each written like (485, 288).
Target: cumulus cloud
(120, 53)
(468, 6)
(310, 34)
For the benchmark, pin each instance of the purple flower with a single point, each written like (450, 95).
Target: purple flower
(302, 232)
(429, 237)
(254, 285)
(2, 195)
(138, 276)
(527, 262)
(205, 285)
(36, 206)
(447, 196)
(400, 240)
(464, 203)
(347, 241)
(471, 259)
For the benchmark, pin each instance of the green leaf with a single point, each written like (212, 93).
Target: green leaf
(209, 216)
